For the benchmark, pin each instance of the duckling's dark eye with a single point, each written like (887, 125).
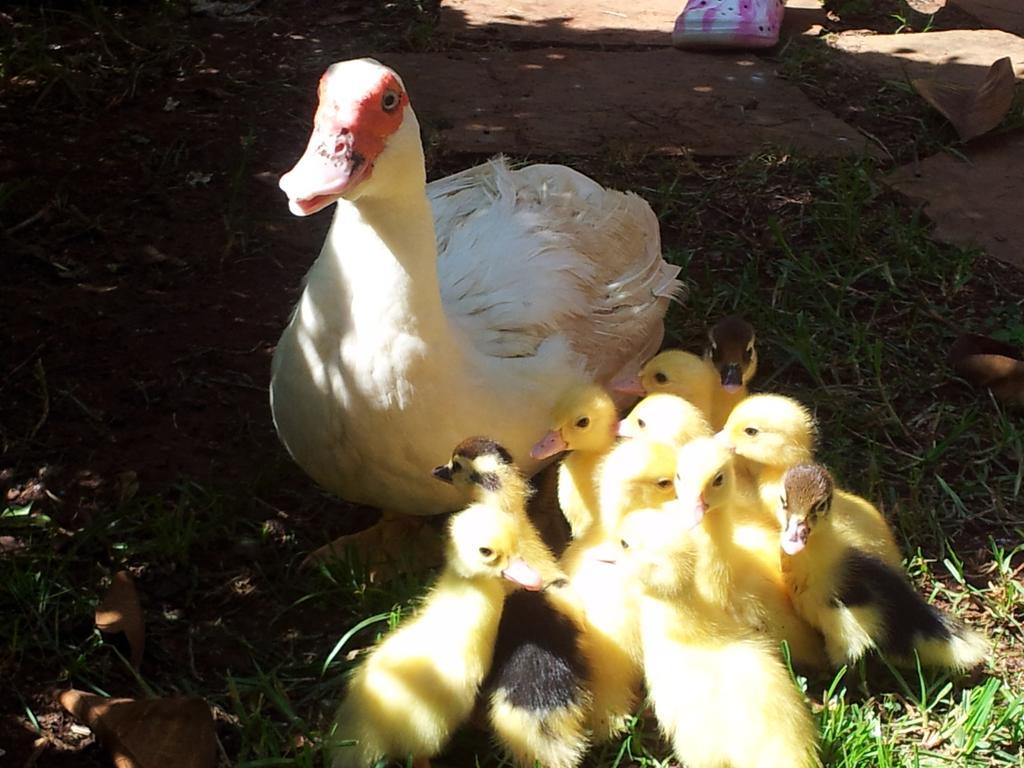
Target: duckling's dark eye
(486, 551)
(390, 101)
(719, 479)
(784, 502)
(583, 422)
(665, 483)
(641, 423)
(623, 543)
(660, 377)
(456, 467)
(752, 431)
(821, 507)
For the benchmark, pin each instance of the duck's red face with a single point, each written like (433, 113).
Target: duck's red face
(362, 104)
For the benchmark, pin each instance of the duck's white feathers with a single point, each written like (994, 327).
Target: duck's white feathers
(398, 350)
(524, 254)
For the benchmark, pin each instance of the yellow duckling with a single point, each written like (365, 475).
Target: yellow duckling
(721, 695)
(537, 693)
(714, 383)
(635, 474)
(584, 421)
(665, 418)
(769, 434)
(676, 372)
(732, 352)
(741, 580)
(843, 570)
(420, 683)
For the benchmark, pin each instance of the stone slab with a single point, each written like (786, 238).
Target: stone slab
(585, 102)
(977, 202)
(1001, 14)
(964, 55)
(563, 22)
(804, 17)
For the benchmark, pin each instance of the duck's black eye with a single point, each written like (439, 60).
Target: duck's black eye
(821, 507)
(719, 479)
(623, 543)
(641, 423)
(390, 101)
(660, 377)
(583, 422)
(783, 501)
(665, 483)
(486, 551)
(752, 431)
(456, 467)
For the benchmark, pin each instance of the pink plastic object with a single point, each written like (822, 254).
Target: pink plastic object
(728, 24)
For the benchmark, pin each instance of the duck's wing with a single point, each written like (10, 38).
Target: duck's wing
(524, 255)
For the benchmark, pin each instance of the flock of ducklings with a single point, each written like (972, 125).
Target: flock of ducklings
(703, 536)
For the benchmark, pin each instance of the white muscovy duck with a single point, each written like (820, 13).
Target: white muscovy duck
(438, 311)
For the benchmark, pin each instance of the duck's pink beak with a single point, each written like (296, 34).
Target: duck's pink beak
(523, 574)
(549, 445)
(628, 385)
(330, 166)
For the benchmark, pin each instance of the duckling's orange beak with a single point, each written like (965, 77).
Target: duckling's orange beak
(549, 445)
(523, 574)
(794, 538)
(628, 386)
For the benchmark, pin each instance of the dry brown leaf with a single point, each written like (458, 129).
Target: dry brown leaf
(154, 733)
(972, 110)
(120, 612)
(927, 6)
(127, 486)
(989, 363)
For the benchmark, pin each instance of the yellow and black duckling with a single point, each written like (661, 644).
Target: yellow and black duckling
(421, 682)
(584, 423)
(741, 577)
(537, 693)
(635, 474)
(843, 571)
(732, 352)
(484, 472)
(665, 418)
(721, 694)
